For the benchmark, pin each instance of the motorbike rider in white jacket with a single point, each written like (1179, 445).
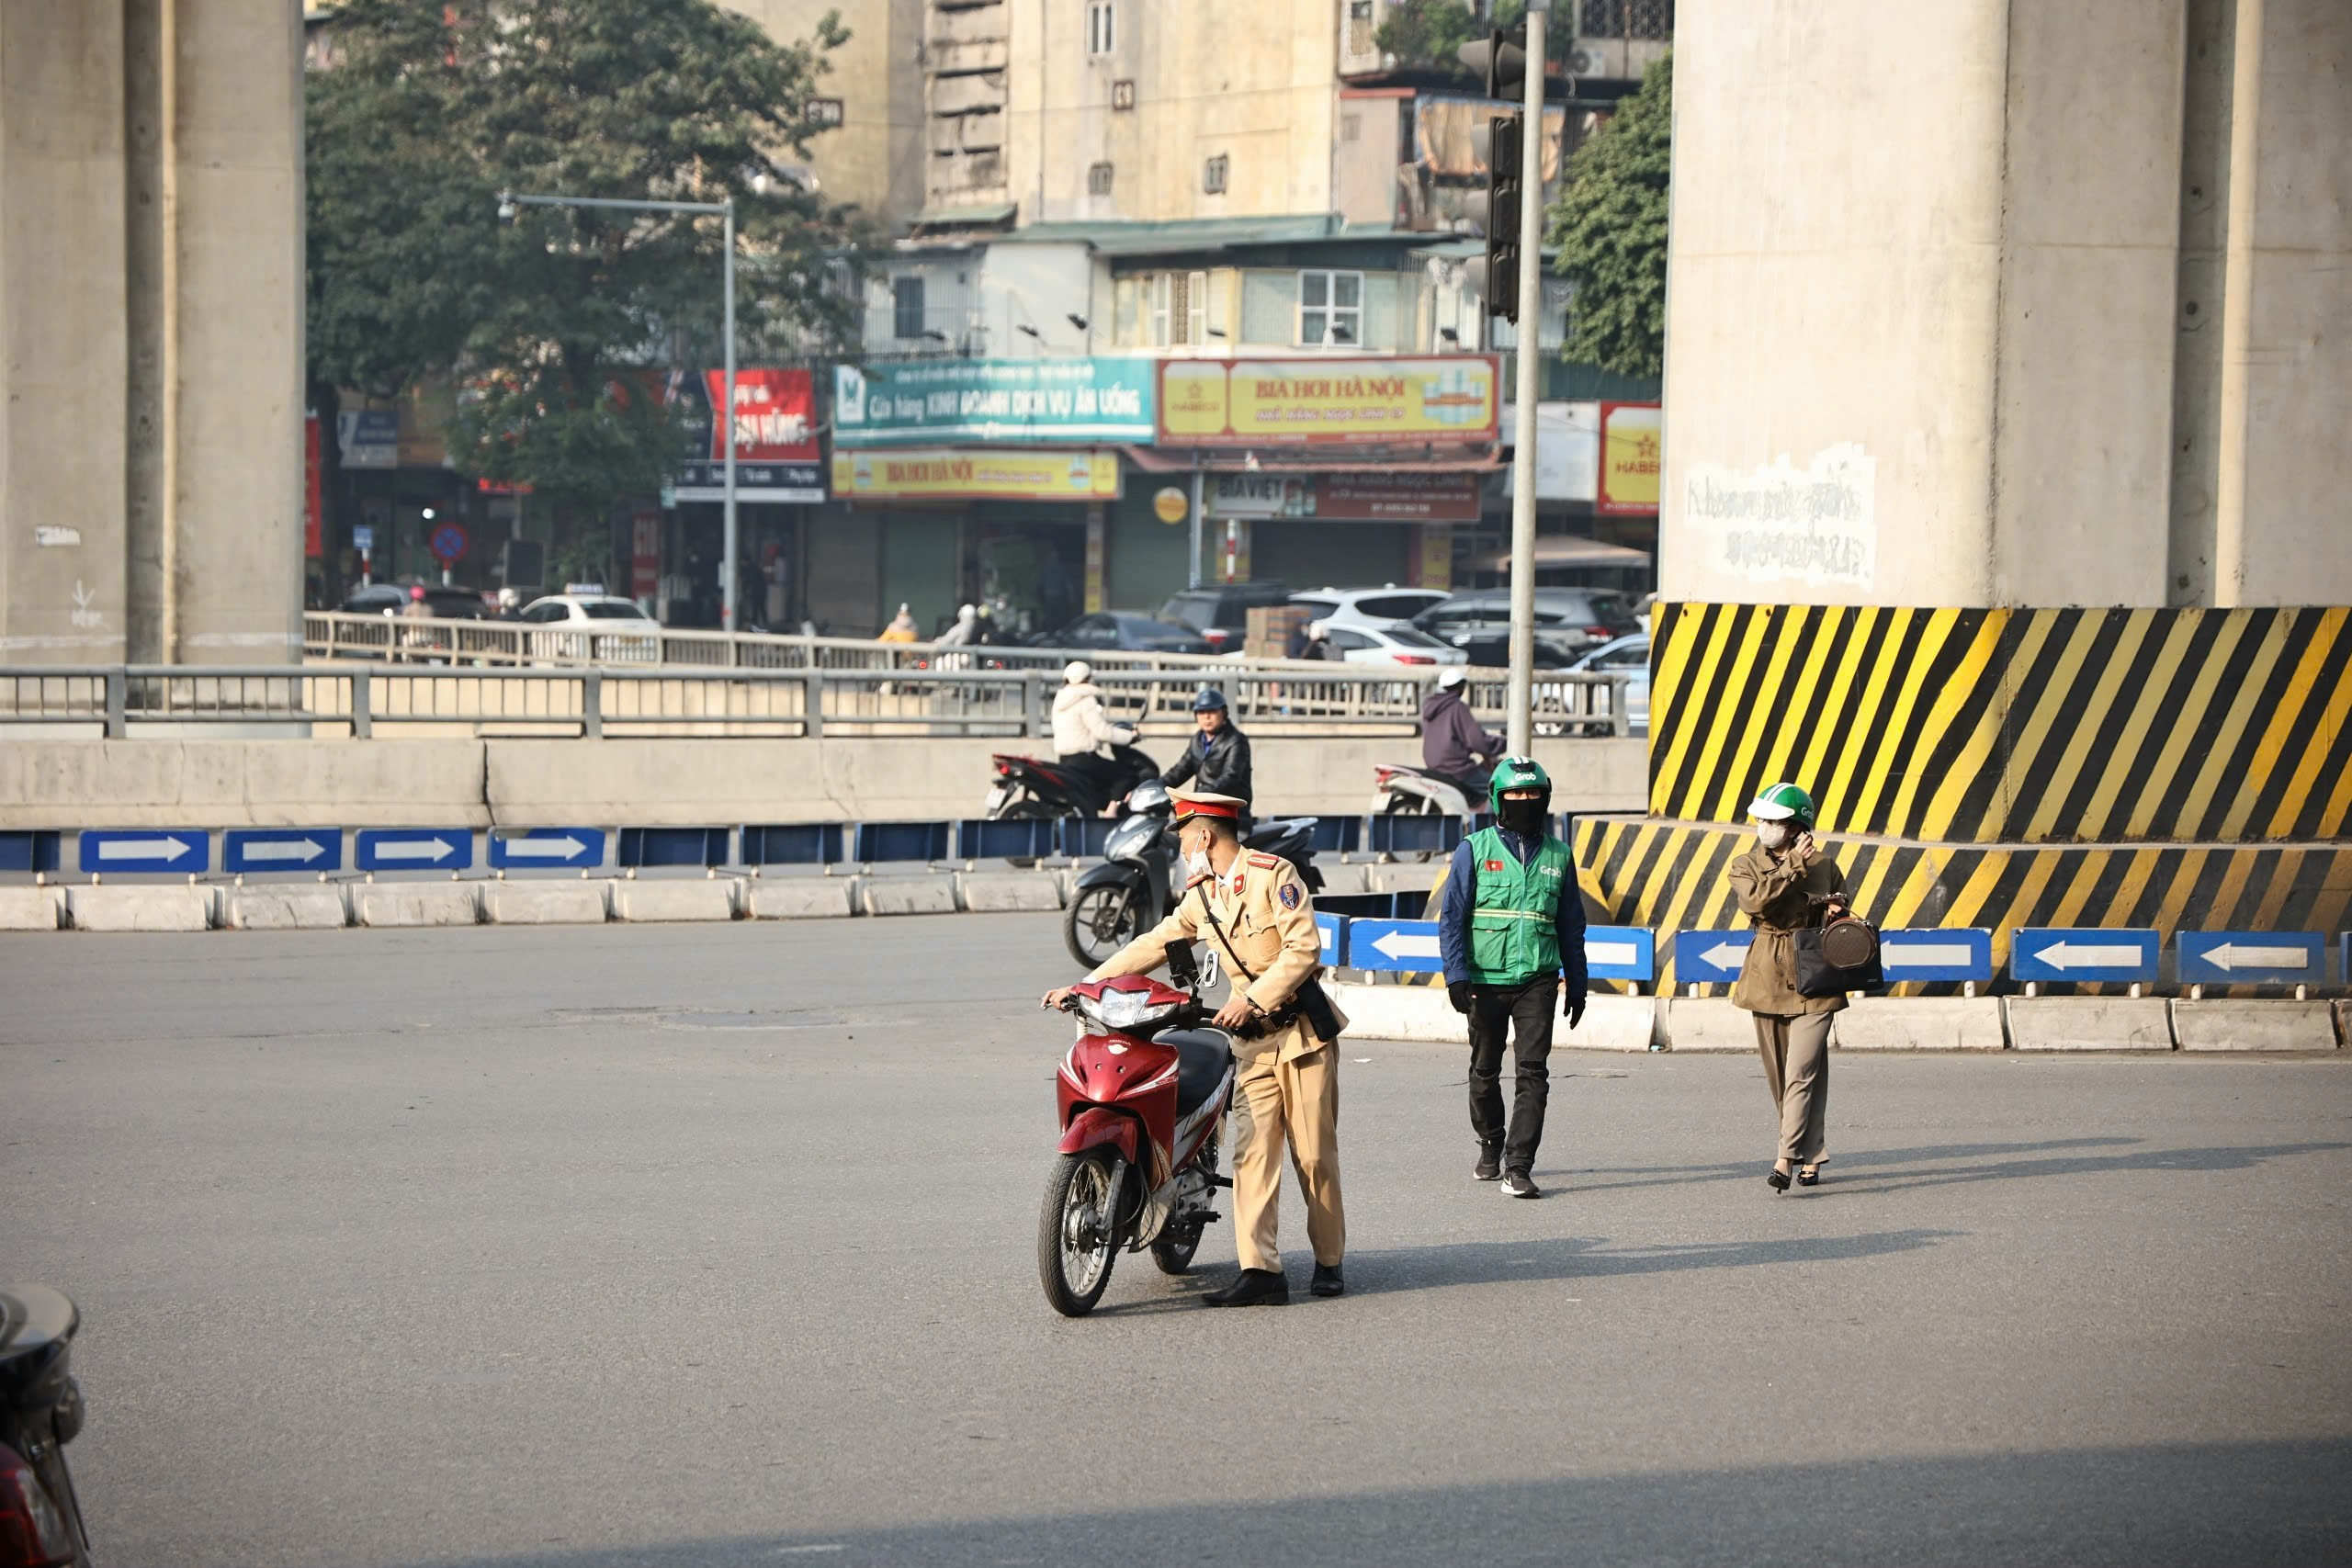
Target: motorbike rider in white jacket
(1084, 734)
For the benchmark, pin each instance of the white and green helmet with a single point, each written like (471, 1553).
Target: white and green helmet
(1782, 803)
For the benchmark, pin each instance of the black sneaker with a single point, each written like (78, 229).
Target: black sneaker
(1517, 1185)
(1490, 1166)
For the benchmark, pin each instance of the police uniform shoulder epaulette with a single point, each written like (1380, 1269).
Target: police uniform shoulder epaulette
(1264, 862)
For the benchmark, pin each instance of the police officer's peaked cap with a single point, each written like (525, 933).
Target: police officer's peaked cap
(1204, 803)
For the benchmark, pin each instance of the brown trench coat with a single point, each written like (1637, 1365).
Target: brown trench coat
(1777, 900)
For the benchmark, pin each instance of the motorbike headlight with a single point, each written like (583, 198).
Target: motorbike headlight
(1129, 1010)
(1128, 835)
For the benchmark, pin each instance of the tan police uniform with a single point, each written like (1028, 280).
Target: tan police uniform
(1260, 920)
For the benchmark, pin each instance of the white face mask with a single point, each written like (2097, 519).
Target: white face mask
(1775, 835)
(1196, 864)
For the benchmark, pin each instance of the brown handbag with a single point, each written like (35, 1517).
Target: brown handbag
(1838, 957)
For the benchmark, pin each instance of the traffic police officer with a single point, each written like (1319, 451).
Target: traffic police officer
(1511, 927)
(1253, 910)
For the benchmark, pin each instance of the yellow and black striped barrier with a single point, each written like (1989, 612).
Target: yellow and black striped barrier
(2011, 726)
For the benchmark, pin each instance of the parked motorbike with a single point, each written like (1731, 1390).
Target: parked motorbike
(1135, 884)
(1399, 789)
(40, 1411)
(1037, 786)
(1139, 1099)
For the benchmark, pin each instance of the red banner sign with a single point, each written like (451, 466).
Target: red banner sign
(645, 554)
(775, 416)
(313, 544)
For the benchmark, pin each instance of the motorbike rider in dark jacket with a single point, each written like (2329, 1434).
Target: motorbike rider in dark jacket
(1218, 759)
(1455, 745)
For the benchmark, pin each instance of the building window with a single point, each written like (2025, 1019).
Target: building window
(1330, 307)
(1213, 174)
(906, 300)
(1163, 289)
(1122, 94)
(1100, 34)
(1098, 179)
(824, 113)
(1196, 307)
(1180, 309)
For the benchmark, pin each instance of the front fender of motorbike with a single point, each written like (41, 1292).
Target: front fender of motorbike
(1107, 874)
(1098, 1126)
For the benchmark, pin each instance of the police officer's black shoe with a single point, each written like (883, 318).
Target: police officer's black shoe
(1256, 1287)
(1328, 1281)
(1490, 1166)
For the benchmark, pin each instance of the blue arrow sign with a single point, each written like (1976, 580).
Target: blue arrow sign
(1932, 953)
(185, 850)
(1711, 957)
(562, 848)
(1620, 953)
(1409, 946)
(413, 848)
(1334, 930)
(2244, 958)
(282, 849)
(2083, 952)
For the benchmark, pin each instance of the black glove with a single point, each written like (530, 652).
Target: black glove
(1458, 992)
(1572, 1006)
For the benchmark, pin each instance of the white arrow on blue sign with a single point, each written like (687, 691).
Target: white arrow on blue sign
(1620, 953)
(1333, 929)
(565, 848)
(413, 848)
(1408, 945)
(2083, 952)
(282, 849)
(185, 850)
(2279, 958)
(1934, 953)
(1713, 957)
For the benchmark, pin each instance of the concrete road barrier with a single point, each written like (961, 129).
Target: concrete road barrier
(285, 907)
(1405, 876)
(2344, 1026)
(2222, 1025)
(908, 895)
(118, 907)
(1399, 1012)
(1920, 1023)
(804, 898)
(1612, 1023)
(991, 892)
(417, 904)
(579, 903)
(32, 908)
(1707, 1024)
(710, 899)
(2089, 1024)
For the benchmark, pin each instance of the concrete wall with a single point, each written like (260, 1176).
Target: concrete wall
(1929, 336)
(874, 157)
(151, 330)
(216, 783)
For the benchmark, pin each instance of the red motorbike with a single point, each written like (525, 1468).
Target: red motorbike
(1141, 1096)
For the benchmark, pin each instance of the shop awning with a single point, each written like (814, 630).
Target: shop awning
(1555, 550)
(1316, 460)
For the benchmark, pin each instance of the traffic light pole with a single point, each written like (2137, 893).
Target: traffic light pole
(1518, 724)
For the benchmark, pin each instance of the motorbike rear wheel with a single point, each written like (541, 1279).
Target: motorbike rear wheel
(1074, 1247)
(1100, 921)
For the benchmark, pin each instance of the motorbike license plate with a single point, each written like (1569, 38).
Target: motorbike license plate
(996, 799)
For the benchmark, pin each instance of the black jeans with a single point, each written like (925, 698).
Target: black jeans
(1525, 1012)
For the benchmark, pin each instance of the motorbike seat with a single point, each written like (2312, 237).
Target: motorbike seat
(1202, 1058)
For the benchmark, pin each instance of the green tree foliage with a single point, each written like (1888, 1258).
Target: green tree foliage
(1428, 35)
(1609, 224)
(558, 326)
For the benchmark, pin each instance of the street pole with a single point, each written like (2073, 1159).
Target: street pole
(1193, 572)
(1518, 724)
(727, 611)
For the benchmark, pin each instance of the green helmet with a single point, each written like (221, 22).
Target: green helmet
(1518, 773)
(1781, 803)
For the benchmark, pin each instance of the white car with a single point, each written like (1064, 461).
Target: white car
(595, 628)
(1391, 645)
(1389, 606)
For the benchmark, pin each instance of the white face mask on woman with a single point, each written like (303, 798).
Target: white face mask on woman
(1775, 835)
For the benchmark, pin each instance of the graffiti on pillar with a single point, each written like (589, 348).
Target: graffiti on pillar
(1817, 524)
(85, 617)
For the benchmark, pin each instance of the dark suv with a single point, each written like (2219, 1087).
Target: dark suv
(1569, 622)
(1221, 614)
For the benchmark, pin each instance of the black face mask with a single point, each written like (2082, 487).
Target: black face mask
(1523, 816)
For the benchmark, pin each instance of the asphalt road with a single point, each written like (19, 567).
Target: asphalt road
(688, 1246)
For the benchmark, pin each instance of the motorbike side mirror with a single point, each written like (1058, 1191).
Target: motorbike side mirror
(1182, 969)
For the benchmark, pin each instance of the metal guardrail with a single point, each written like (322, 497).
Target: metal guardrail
(1298, 699)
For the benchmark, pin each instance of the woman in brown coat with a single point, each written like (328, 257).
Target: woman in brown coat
(1783, 884)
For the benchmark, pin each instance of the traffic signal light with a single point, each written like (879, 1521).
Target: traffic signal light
(1496, 277)
(1501, 59)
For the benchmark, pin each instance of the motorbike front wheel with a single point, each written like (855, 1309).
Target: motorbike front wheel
(1100, 920)
(1075, 1243)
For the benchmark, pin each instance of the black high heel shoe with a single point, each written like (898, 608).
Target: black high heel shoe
(1809, 1177)
(1777, 1179)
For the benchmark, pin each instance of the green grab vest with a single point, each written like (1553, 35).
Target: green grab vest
(1514, 932)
